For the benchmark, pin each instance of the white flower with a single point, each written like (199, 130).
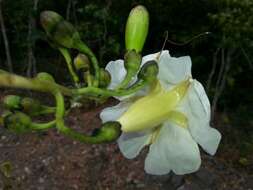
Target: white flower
(171, 116)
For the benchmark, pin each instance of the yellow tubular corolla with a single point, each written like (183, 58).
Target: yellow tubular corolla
(153, 109)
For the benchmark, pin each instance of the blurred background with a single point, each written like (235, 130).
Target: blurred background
(222, 61)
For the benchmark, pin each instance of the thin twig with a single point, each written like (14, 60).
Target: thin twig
(247, 57)
(220, 88)
(210, 77)
(6, 41)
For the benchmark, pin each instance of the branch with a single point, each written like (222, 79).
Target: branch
(6, 42)
(15, 81)
(247, 57)
(210, 77)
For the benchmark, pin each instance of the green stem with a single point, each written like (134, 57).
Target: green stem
(106, 92)
(68, 60)
(78, 136)
(15, 81)
(89, 78)
(96, 139)
(42, 126)
(60, 108)
(47, 110)
(127, 79)
(86, 50)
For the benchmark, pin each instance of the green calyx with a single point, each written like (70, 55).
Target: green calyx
(137, 28)
(109, 132)
(12, 102)
(132, 61)
(18, 122)
(149, 71)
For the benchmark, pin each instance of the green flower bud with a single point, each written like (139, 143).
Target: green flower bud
(81, 62)
(132, 61)
(109, 132)
(45, 77)
(12, 102)
(149, 71)
(18, 122)
(49, 20)
(65, 34)
(137, 28)
(60, 31)
(105, 78)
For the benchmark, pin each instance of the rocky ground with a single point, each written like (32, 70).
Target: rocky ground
(50, 161)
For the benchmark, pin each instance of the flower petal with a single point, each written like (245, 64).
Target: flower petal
(150, 57)
(114, 112)
(173, 70)
(174, 149)
(196, 107)
(117, 72)
(130, 144)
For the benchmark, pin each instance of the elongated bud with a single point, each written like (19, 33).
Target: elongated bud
(137, 28)
(105, 78)
(12, 102)
(132, 61)
(109, 132)
(149, 71)
(17, 122)
(65, 34)
(82, 63)
(49, 20)
(45, 77)
(59, 30)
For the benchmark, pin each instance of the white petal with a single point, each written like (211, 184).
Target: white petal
(117, 72)
(196, 107)
(114, 112)
(150, 57)
(175, 150)
(130, 144)
(173, 70)
(198, 98)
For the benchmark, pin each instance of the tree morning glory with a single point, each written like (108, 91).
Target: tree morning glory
(171, 116)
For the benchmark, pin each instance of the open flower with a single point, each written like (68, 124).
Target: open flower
(171, 116)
